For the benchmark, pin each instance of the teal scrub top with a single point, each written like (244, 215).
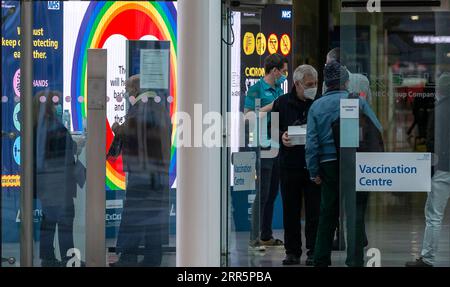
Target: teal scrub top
(264, 91)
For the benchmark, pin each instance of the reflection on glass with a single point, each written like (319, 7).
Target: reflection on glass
(440, 186)
(144, 142)
(323, 152)
(55, 178)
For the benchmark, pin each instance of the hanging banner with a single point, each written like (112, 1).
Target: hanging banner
(99, 24)
(47, 65)
(47, 75)
(62, 34)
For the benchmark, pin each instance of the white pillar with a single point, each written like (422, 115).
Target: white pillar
(95, 158)
(198, 168)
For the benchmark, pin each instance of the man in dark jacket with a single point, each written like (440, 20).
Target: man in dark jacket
(295, 180)
(145, 147)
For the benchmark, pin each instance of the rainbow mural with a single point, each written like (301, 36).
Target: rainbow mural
(133, 20)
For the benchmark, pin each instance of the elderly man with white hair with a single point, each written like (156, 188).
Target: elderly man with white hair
(294, 177)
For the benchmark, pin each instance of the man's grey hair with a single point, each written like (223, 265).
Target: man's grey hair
(303, 70)
(133, 84)
(334, 55)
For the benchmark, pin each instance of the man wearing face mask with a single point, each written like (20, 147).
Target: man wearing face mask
(267, 89)
(59, 110)
(294, 177)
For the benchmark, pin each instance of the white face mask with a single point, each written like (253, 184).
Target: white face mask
(310, 93)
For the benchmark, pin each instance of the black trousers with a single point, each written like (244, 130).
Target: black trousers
(142, 221)
(270, 183)
(355, 207)
(62, 216)
(295, 185)
(263, 205)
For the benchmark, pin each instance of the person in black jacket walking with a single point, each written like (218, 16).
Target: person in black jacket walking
(294, 177)
(145, 146)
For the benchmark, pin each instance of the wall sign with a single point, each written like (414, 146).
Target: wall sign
(389, 172)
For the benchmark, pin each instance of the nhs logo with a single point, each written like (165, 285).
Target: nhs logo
(53, 5)
(286, 14)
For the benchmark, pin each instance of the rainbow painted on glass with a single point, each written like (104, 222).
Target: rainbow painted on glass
(132, 20)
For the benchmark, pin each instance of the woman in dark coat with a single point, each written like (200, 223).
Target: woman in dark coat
(55, 184)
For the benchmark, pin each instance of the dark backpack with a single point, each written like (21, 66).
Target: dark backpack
(370, 138)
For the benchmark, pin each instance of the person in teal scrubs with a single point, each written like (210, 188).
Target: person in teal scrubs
(267, 89)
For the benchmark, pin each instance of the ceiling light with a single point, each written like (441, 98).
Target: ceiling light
(415, 17)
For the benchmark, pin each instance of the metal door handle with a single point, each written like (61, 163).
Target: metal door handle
(11, 135)
(10, 260)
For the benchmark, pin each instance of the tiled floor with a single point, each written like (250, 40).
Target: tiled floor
(396, 244)
(394, 225)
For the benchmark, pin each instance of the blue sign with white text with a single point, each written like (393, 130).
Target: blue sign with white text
(47, 75)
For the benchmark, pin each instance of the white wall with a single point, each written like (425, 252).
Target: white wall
(198, 168)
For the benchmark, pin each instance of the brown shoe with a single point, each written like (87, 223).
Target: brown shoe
(272, 242)
(255, 245)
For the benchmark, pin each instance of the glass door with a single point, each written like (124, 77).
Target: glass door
(242, 225)
(257, 55)
(393, 136)
(10, 138)
(103, 158)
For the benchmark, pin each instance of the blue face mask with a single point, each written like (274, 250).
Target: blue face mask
(59, 111)
(281, 80)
